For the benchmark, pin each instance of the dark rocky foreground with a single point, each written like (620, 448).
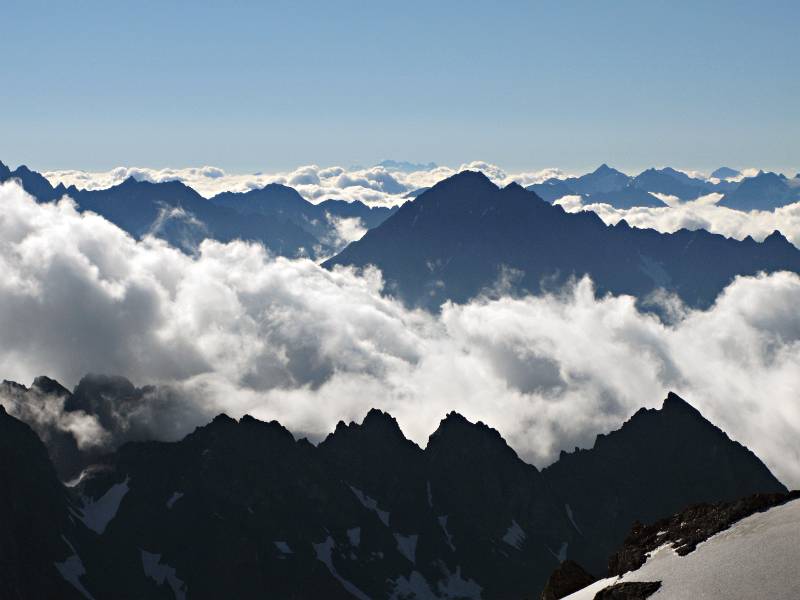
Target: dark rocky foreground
(683, 531)
(242, 509)
(630, 590)
(686, 529)
(567, 578)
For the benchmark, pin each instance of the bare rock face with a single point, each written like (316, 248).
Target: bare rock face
(630, 590)
(568, 578)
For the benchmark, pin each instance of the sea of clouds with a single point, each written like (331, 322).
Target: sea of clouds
(378, 185)
(387, 186)
(234, 329)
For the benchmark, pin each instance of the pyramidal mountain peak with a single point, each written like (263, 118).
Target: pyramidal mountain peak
(458, 237)
(457, 429)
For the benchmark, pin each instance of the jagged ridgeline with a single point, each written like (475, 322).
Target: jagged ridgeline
(466, 237)
(276, 216)
(241, 509)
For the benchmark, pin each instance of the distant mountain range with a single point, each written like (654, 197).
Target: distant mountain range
(764, 191)
(288, 225)
(404, 165)
(465, 235)
(276, 215)
(725, 173)
(241, 509)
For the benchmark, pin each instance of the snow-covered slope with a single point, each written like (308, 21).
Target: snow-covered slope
(758, 557)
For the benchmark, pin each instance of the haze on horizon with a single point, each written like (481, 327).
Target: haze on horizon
(269, 86)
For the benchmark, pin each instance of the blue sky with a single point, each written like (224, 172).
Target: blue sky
(270, 85)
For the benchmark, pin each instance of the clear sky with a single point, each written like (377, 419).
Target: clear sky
(271, 85)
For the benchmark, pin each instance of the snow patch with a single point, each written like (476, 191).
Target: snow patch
(756, 558)
(452, 586)
(283, 547)
(414, 587)
(97, 514)
(571, 518)
(515, 536)
(407, 545)
(654, 270)
(455, 586)
(354, 535)
(324, 552)
(561, 555)
(371, 504)
(161, 572)
(174, 498)
(448, 537)
(72, 570)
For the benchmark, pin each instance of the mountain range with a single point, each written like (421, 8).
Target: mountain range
(467, 237)
(764, 191)
(240, 508)
(275, 215)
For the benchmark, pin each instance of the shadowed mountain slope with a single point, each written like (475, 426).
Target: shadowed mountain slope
(240, 508)
(464, 235)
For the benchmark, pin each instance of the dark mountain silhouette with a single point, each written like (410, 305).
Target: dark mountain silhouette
(683, 451)
(277, 216)
(567, 578)
(624, 197)
(279, 201)
(417, 192)
(675, 183)
(628, 197)
(765, 191)
(241, 509)
(551, 190)
(602, 179)
(33, 183)
(34, 544)
(613, 187)
(725, 173)
(179, 214)
(465, 234)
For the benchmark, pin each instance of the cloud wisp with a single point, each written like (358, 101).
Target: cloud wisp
(234, 329)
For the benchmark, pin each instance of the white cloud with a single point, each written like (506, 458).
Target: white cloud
(375, 185)
(233, 329)
(702, 213)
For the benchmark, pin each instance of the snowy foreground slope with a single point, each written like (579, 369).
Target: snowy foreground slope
(758, 557)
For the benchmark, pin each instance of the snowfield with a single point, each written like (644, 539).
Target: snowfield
(758, 557)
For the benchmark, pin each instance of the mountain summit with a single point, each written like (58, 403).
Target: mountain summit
(239, 508)
(464, 236)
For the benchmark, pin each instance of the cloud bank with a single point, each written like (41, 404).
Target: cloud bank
(233, 329)
(375, 185)
(386, 187)
(702, 213)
